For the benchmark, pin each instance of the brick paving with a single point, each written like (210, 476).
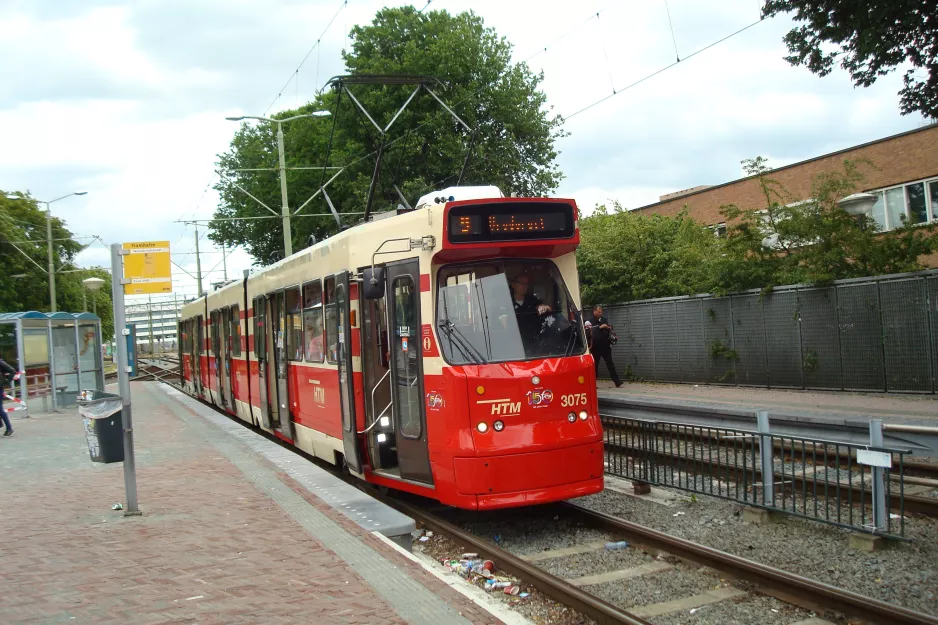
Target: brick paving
(210, 548)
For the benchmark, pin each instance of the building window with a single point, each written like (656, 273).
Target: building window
(914, 202)
(719, 230)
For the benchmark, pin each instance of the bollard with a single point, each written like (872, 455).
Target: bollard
(765, 451)
(880, 511)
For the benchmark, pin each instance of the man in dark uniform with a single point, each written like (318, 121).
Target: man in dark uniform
(6, 371)
(600, 346)
(528, 307)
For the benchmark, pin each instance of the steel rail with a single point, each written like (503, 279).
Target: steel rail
(551, 585)
(783, 585)
(908, 503)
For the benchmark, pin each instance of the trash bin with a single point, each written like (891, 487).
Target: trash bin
(104, 425)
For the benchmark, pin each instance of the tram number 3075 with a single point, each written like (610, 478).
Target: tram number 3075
(576, 399)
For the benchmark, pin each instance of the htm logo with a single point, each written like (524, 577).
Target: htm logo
(319, 395)
(506, 408)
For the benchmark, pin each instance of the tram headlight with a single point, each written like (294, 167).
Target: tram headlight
(571, 417)
(483, 427)
(385, 421)
(535, 380)
(382, 437)
(498, 426)
(583, 415)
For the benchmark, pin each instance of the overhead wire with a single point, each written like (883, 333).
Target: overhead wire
(663, 69)
(315, 46)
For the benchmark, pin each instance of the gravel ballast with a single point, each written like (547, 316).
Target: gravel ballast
(904, 573)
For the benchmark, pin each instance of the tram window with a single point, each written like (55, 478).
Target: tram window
(260, 327)
(312, 321)
(330, 325)
(405, 346)
(235, 332)
(294, 324)
(499, 311)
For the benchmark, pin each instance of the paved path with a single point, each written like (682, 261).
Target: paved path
(226, 537)
(834, 402)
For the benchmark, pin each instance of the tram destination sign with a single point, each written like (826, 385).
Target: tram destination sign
(147, 268)
(510, 221)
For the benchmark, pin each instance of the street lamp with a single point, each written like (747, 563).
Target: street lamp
(858, 205)
(285, 208)
(92, 284)
(49, 240)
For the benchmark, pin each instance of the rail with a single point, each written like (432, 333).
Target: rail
(796, 476)
(783, 585)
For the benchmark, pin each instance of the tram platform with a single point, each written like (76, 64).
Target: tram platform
(234, 529)
(910, 421)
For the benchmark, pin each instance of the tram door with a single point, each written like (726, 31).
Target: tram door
(214, 332)
(224, 320)
(260, 353)
(376, 374)
(403, 293)
(278, 313)
(197, 354)
(343, 332)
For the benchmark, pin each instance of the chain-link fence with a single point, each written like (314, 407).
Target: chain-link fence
(869, 334)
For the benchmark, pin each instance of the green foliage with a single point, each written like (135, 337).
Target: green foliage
(24, 283)
(719, 350)
(515, 132)
(870, 38)
(795, 241)
(625, 256)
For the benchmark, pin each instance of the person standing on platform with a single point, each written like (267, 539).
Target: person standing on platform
(601, 344)
(6, 371)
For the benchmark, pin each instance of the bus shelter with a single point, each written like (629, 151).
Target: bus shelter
(59, 355)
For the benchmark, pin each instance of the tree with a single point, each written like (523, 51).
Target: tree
(625, 256)
(794, 240)
(874, 37)
(513, 143)
(24, 282)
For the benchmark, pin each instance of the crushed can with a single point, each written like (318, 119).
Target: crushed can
(512, 590)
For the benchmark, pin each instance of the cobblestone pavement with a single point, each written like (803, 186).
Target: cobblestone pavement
(210, 548)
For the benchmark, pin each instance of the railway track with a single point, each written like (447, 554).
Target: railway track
(160, 369)
(663, 554)
(658, 554)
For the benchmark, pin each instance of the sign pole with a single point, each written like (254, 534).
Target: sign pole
(123, 378)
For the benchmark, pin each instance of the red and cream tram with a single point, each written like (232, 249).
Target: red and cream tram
(437, 351)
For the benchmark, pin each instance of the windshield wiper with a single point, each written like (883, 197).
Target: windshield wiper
(458, 339)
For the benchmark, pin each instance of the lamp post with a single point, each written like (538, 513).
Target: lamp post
(92, 284)
(285, 208)
(858, 205)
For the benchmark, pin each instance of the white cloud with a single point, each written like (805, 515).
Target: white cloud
(128, 102)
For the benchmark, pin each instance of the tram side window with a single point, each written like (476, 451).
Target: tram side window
(235, 332)
(331, 323)
(260, 327)
(294, 324)
(312, 321)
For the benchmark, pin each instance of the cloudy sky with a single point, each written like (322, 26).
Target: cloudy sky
(127, 100)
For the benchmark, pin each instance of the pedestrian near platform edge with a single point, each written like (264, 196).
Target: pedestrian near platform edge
(600, 342)
(7, 375)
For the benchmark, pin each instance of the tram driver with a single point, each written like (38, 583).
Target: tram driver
(528, 307)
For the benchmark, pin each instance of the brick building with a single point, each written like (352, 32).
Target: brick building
(904, 176)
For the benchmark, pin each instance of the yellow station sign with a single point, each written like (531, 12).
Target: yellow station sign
(147, 268)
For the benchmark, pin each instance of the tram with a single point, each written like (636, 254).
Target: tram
(437, 351)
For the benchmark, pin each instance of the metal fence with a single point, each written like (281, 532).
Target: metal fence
(809, 478)
(870, 334)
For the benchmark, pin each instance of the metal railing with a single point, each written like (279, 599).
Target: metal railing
(810, 478)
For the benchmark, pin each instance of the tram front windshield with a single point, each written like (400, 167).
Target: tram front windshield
(499, 311)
